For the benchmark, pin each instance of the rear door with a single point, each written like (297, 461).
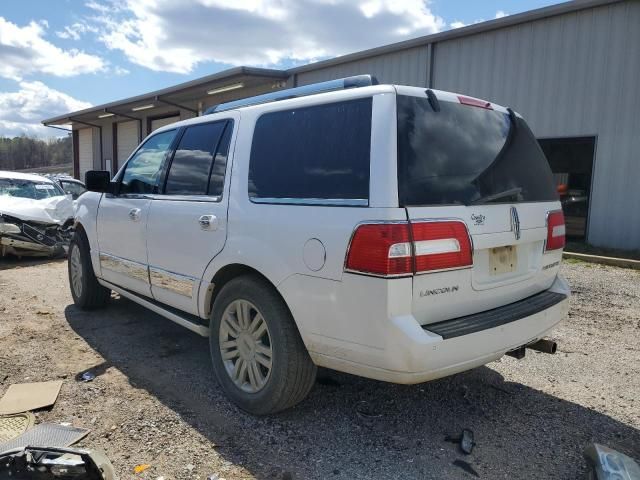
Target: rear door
(187, 224)
(469, 161)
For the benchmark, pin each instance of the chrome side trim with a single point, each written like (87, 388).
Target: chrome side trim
(199, 329)
(337, 202)
(135, 270)
(173, 282)
(186, 198)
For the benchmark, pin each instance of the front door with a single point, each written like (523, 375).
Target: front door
(187, 225)
(122, 217)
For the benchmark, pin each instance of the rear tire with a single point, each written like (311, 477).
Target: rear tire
(266, 367)
(87, 293)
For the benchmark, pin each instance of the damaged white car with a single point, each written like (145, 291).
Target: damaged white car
(36, 216)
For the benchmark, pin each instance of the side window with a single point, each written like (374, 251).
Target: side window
(143, 172)
(319, 152)
(216, 181)
(199, 164)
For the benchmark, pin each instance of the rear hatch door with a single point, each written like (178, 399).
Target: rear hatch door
(468, 160)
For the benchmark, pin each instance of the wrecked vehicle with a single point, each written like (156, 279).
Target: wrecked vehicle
(36, 216)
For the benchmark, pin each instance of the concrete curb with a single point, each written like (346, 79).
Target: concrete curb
(616, 262)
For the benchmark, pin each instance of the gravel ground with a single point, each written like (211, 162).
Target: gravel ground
(155, 400)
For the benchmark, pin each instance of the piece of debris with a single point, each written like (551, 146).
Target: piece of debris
(466, 466)
(141, 468)
(607, 464)
(88, 377)
(54, 463)
(22, 397)
(12, 426)
(44, 312)
(363, 408)
(465, 440)
(46, 435)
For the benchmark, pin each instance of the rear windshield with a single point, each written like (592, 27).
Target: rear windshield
(467, 155)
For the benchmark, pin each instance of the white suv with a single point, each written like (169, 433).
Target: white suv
(391, 232)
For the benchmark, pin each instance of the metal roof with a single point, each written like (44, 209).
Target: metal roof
(176, 90)
(250, 72)
(507, 21)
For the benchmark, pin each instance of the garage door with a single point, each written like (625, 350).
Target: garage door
(85, 151)
(127, 140)
(161, 122)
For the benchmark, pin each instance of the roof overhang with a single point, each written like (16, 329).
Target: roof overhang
(184, 95)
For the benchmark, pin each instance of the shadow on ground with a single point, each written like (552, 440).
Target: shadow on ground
(10, 261)
(351, 427)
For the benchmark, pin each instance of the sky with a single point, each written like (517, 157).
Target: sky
(65, 55)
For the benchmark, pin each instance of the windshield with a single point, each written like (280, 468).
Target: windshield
(467, 155)
(35, 190)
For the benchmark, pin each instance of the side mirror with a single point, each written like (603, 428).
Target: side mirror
(98, 181)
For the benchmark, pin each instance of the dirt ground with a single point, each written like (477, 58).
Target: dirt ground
(155, 400)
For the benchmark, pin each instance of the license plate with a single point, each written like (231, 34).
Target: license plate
(503, 260)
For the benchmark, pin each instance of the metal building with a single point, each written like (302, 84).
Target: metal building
(571, 69)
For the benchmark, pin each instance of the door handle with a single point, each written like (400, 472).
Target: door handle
(134, 214)
(208, 222)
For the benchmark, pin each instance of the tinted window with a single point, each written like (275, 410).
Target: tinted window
(464, 155)
(319, 152)
(193, 160)
(216, 181)
(142, 173)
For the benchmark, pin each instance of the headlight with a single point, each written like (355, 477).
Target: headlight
(9, 228)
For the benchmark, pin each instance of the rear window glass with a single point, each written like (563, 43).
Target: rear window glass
(467, 155)
(319, 152)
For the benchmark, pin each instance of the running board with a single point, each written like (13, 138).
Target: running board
(155, 307)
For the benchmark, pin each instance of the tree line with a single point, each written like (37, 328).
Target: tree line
(26, 152)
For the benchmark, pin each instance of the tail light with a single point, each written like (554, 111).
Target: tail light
(392, 249)
(441, 245)
(555, 231)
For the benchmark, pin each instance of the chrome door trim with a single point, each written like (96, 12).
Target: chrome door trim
(173, 282)
(135, 270)
(331, 202)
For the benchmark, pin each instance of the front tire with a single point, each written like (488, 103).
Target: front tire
(87, 293)
(258, 356)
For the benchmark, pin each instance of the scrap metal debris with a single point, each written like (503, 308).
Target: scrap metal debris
(46, 435)
(41, 463)
(22, 397)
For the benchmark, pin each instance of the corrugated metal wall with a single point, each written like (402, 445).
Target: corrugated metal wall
(407, 67)
(571, 75)
(574, 74)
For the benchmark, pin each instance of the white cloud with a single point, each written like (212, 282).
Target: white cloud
(165, 35)
(22, 111)
(458, 24)
(75, 31)
(25, 51)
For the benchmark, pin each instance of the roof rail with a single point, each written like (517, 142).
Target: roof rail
(312, 89)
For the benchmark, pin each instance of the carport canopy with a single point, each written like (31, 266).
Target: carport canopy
(195, 96)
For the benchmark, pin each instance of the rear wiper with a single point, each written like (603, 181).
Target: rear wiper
(497, 196)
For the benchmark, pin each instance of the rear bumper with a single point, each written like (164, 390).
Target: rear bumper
(408, 353)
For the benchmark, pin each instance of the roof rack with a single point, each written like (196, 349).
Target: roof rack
(312, 89)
